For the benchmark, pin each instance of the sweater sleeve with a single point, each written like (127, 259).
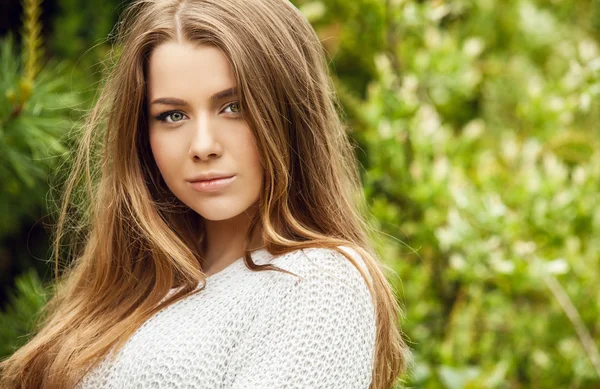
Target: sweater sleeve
(320, 333)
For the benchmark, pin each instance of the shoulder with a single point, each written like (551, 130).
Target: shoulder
(327, 277)
(327, 264)
(335, 263)
(315, 331)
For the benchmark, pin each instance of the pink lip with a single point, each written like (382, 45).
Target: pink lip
(212, 185)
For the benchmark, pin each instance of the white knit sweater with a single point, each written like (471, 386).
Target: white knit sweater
(251, 329)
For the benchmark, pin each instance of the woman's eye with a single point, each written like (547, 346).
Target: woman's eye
(234, 104)
(176, 116)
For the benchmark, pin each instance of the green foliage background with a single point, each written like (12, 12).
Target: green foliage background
(474, 122)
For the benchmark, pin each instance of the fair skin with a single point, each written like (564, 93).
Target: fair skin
(200, 133)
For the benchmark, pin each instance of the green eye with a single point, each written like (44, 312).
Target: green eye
(172, 114)
(234, 104)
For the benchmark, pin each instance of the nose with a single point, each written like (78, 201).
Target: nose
(204, 144)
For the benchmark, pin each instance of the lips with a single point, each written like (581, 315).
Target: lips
(210, 177)
(213, 179)
(214, 185)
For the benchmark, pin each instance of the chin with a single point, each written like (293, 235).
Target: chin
(219, 213)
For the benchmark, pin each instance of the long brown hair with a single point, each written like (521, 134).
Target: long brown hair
(132, 240)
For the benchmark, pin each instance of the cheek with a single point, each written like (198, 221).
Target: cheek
(160, 152)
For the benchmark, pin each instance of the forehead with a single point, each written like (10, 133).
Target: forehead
(183, 69)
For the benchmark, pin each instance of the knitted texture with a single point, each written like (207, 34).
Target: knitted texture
(251, 329)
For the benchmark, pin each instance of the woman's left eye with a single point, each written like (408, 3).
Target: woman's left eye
(232, 104)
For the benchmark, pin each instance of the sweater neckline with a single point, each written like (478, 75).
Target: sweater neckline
(257, 257)
(256, 254)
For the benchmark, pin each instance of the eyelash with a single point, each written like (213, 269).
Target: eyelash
(164, 115)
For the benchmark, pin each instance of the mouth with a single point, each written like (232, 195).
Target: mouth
(212, 179)
(213, 184)
(210, 176)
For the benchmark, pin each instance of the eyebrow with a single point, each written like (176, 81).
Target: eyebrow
(216, 97)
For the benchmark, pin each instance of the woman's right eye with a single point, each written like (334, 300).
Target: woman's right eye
(173, 114)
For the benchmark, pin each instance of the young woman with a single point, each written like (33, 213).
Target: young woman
(226, 244)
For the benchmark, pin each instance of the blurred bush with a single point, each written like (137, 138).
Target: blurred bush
(36, 107)
(481, 163)
(18, 321)
(47, 84)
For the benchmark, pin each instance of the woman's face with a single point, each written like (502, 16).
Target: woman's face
(196, 128)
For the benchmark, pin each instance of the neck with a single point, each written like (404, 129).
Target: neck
(224, 240)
